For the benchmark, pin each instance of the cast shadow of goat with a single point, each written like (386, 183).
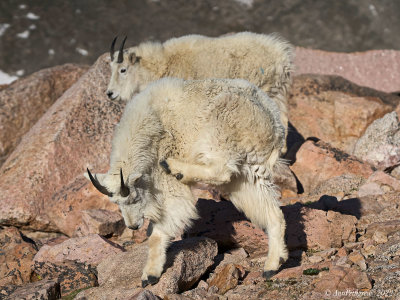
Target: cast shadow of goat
(219, 221)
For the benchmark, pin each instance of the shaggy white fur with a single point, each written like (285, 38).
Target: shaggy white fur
(175, 134)
(264, 60)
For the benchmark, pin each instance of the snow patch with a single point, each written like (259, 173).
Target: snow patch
(20, 73)
(3, 28)
(22, 6)
(32, 16)
(6, 79)
(32, 27)
(82, 51)
(23, 35)
(248, 3)
(51, 52)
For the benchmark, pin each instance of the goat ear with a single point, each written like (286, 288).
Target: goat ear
(133, 58)
(133, 178)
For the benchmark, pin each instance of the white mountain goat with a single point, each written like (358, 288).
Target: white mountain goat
(222, 132)
(264, 60)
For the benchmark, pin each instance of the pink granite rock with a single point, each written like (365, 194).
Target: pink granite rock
(73, 134)
(377, 69)
(317, 162)
(24, 101)
(102, 222)
(90, 249)
(335, 110)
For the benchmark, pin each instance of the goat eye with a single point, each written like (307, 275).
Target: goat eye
(123, 70)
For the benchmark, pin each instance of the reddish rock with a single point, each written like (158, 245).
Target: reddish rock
(16, 255)
(91, 249)
(102, 222)
(120, 275)
(71, 275)
(24, 101)
(335, 110)
(44, 290)
(317, 162)
(342, 279)
(377, 69)
(73, 134)
(226, 277)
(285, 180)
(385, 227)
(308, 228)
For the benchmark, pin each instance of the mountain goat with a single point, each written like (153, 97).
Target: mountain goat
(222, 132)
(264, 60)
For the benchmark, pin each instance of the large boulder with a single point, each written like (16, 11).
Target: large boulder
(377, 69)
(42, 185)
(335, 110)
(24, 101)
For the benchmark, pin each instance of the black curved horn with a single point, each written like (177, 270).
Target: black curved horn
(98, 186)
(120, 53)
(112, 48)
(124, 189)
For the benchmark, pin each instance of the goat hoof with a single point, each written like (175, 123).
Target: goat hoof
(179, 176)
(144, 283)
(268, 274)
(165, 166)
(153, 279)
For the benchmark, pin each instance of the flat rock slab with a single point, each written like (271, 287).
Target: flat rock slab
(90, 249)
(377, 69)
(43, 290)
(187, 261)
(317, 162)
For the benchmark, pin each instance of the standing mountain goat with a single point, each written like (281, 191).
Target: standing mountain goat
(264, 60)
(222, 132)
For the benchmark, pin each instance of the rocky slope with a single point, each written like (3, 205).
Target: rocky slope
(340, 197)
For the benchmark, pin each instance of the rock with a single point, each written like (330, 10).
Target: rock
(380, 144)
(187, 260)
(341, 279)
(102, 222)
(384, 228)
(368, 68)
(44, 289)
(284, 179)
(16, 255)
(317, 162)
(38, 182)
(345, 184)
(379, 237)
(71, 275)
(226, 277)
(91, 249)
(396, 172)
(357, 258)
(335, 110)
(308, 228)
(24, 101)
(78, 196)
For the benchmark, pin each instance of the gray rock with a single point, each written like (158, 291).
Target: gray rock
(380, 144)
(43, 290)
